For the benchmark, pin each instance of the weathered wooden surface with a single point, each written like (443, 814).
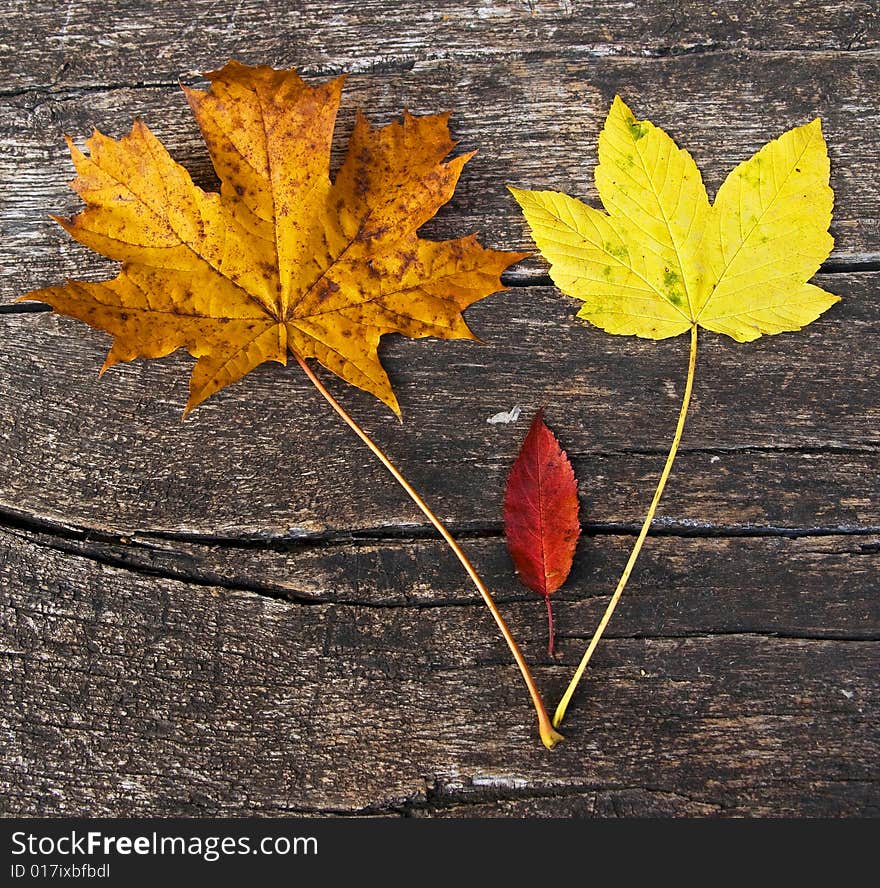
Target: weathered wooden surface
(152, 695)
(527, 116)
(242, 615)
(784, 431)
(71, 43)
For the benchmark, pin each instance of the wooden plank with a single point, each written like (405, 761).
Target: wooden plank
(74, 43)
(783, 431)
(815, 586)
(535, 124)
(126, 694)
(242, 615)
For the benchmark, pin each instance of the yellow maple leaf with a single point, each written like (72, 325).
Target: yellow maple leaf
(283, 259)
(662, 260)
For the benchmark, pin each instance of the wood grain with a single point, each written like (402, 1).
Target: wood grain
(127, 694)
(808, 587)
(241, 615)
(74, 43)
(783, 431)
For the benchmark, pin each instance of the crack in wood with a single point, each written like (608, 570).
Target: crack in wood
(769, 634)
(391, 66)
(667, 527)
(126, 560)
(533, 277)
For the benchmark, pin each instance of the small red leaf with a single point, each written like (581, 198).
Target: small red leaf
(541, 513)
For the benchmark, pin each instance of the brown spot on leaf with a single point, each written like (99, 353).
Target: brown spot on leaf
(325, 289)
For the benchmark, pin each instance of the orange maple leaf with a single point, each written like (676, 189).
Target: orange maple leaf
(282, 259)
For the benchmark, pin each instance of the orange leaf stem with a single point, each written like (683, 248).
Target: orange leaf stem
(549, 736)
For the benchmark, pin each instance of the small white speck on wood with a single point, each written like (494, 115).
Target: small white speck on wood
(506, 416)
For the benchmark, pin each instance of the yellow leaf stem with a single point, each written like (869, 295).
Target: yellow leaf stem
(646, 526)
(660, 259)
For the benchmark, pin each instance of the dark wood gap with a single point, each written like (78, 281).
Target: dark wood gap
(15, 520)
